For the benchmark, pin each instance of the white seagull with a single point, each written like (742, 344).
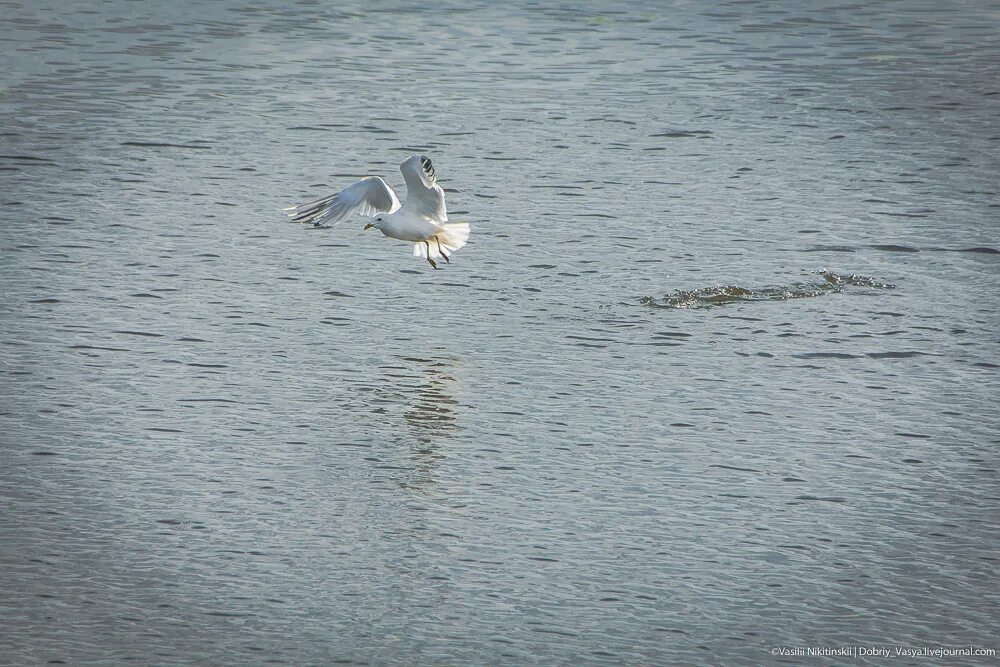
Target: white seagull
(422, 219)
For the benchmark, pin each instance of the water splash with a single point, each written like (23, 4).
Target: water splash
(719, 295)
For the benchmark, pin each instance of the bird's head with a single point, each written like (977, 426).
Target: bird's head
(377, 220)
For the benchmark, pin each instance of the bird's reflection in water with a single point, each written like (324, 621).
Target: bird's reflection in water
(432, 416)
(433, 412)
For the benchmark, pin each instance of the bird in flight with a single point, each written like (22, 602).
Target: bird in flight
(421, 219)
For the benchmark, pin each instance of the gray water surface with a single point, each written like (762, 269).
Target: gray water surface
(716, 373)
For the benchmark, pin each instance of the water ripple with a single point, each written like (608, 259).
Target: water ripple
(719, 295)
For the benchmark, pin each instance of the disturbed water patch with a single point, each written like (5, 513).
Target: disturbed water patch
(720, 295)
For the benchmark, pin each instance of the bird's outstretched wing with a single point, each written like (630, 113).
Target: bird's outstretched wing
(423, 195)
(368, 196)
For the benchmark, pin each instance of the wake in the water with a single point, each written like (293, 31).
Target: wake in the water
(718, 295)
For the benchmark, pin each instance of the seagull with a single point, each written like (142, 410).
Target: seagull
(422, 219)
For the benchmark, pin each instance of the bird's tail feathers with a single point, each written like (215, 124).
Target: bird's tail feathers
(455, 234)
(451, 237)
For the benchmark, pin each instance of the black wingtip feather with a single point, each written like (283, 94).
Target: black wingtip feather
(425, 162)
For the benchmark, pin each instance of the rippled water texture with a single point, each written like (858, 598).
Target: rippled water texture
(229, 439)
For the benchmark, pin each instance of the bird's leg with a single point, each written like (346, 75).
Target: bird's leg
(429, 260)
(442, 251)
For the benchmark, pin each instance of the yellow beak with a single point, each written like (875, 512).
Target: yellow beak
(367, 227)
